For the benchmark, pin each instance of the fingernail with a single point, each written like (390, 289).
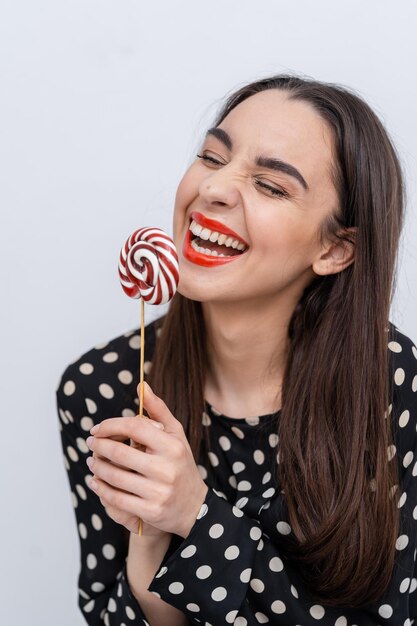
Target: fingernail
(157, 424)
(94, 429)
(90, 462)
(148, 388)
(89, 441)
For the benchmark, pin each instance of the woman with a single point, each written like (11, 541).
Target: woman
(280, 484)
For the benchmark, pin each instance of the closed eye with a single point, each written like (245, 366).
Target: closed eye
(274, 190)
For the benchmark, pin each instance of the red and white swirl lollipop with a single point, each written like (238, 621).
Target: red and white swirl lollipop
(148, 270)
(148, 266)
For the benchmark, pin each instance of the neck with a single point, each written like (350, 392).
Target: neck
(247, 349)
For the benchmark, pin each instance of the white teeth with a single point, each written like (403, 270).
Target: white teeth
(205, 251)
(205, 234)
(214, 236)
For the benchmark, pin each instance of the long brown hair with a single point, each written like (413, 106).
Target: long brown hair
(333, 432)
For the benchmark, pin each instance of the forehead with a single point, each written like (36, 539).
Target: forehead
(271, 124)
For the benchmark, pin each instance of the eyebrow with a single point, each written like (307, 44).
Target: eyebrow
(267, 162)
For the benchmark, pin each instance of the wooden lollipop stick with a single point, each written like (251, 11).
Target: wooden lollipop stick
(142, 368)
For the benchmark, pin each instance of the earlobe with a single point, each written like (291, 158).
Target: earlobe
(338, 256)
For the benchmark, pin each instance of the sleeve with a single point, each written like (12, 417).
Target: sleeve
(104, 596)
(230, 570)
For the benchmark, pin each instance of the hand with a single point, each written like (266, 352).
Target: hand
(124, 518)
(162, 486)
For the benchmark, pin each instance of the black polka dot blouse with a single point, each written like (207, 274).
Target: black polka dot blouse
(229, 569)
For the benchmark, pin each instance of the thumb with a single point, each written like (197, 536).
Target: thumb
(158, 410)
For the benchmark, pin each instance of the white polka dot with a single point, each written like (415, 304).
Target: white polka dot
(414, 351)
(67, 465)
(294, 591)
(86, 369)
(244, 485)
(268, 493)
(407, 622)
(81, 492)
(91, 561)
(283, 528)
(89, 606)
(276, 565)
(101, 345)
(83, 594)
(402, 500)
(413, 585)
(252, 421)
(266, 478)
(203, 510)
(257, 585)
(128, 413)
(414, 384)
(232, 553)
(110, 357)
(219, 594)
(399, 377)
(415, 469)
(213, 459)
(245, 575)
(224, 443)
(385, 610)
(106, 391)
(238, 432)
(91, 405)
(278, 607)
(130, 613)
(194, 608)
(261, 618)
(82, 446)
(255, 533)
(109, 551)
(205, 419)
(405, 585)
(74, 500)
(273, 440)
(394, 346)
(408, 457)
(341, 621)
(125, 377)
(317, 611)
(403, 419)
(134, 342)
(176, 588)
(402, 542)
(161, 572)
(96, 522)
(391, 452)
(188, 551)
(238, 467)
(259, 457)
(111, 605)
(86, 423)
(242, 502)
(230, 617)
(203, 572)
(72, 453)
(147, 366)
(97, 587)
(69, 387)
(216, 531)
(82, 528)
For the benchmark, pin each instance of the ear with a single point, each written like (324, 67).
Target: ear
(336, 256)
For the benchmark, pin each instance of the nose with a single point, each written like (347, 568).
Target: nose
(220, 189)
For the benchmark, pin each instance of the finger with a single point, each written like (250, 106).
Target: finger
(109, 496)
(127, 457)
(139, 429)
(120, 478)
(158, 410)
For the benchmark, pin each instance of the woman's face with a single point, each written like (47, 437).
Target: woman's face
(265, 175)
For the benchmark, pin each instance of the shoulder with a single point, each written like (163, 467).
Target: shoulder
(102, 381)
(403, 410)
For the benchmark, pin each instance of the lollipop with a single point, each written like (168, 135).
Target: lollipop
(148, 270)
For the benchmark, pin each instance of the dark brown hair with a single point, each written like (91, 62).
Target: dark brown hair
(333, 435)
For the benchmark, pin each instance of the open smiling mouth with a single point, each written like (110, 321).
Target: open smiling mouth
(205, 245)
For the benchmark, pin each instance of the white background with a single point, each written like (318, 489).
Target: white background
(102, 103)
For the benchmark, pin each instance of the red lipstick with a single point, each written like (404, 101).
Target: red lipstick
(217, 226)
(192, 255)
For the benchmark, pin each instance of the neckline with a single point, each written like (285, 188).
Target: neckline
(240, 420)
